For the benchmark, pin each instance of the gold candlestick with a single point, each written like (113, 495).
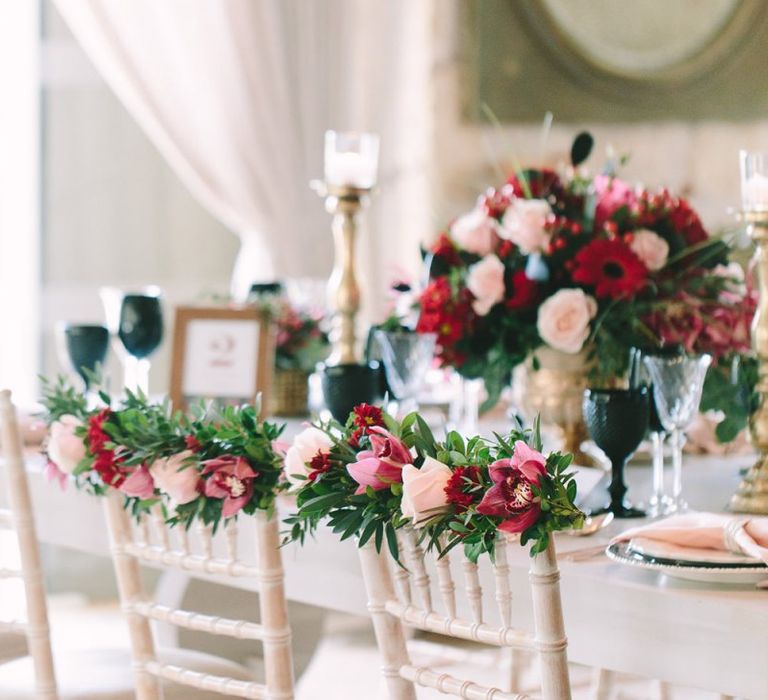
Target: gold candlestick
(752, 494)
(344, 202)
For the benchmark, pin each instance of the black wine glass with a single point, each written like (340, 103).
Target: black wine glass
(617, 420)
(85, 349)
(136, 320)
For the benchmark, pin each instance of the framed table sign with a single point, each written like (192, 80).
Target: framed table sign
(223, 354)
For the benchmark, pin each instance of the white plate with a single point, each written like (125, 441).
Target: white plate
(690, 571)
(688, 555)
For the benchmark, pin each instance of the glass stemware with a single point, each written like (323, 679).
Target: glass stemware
(407, 356)
(617, 420)
(136, 321)
(677, 385)
(83, 348)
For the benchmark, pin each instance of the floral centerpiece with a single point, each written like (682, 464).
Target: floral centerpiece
(210, 467)
(300, 344)
(580, 264)
(374, 475)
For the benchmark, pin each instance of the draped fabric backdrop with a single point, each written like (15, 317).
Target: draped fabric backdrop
(236, 95)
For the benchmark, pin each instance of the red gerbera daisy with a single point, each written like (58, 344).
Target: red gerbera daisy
(611, 268)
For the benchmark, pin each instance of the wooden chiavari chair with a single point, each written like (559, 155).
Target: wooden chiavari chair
(399, 596)
(217, 558)
(111, 674)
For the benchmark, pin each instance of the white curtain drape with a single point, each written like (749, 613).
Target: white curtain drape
(236, 95)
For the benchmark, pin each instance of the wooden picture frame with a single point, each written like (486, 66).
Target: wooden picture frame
(212, 347)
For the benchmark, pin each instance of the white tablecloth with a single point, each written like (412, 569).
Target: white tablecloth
(702, 635)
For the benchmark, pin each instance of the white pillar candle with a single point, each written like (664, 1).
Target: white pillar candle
(351, 159)
(350, 169)
(754, 192)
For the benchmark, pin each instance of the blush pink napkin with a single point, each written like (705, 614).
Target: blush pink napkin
(728, 533)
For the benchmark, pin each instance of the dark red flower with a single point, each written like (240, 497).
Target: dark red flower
(354, 439)
(523, 293)
(541, 184)
(505, 249)
(459, 488)
(495, 202)
(108, 466)
(611, 268)
(686, 222)
(444, 249)
(96, 436)
(437, 294)
(192, 443)
(367, 417)
(319, 464)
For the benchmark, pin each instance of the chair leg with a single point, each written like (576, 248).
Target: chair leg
(603, 684)
(665, 691)
(388, 629)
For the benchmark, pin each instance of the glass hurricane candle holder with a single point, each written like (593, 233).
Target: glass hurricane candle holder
(351, 159)
(754, 181)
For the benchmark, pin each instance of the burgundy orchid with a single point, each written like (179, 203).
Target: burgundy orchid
(511, 497)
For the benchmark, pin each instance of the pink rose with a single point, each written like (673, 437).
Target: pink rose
(65, 449)
(306, 445)
(564, 318)
(651, 248)
(381, 466)
(177, 476)
(424, 490)
(475, 232)
(485, 280)
(525, 224)
(231, 478)
(511, 497)
(139, 484)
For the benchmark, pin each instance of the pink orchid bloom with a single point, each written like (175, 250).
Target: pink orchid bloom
(139, 484)
(511, 496)
(232, 480)
(371, 471)
(389, 448)
(381, 466)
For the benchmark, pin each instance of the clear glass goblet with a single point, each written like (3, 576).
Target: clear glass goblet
(678, 381)
(407, 356)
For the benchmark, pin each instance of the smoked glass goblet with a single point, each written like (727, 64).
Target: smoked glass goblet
(617, 420)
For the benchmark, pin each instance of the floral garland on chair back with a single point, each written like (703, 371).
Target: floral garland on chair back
(375, 475)
(580, 264)
(210, 467)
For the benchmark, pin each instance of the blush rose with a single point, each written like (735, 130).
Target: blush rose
(564, 318)
(651, 248)
(424, 490)
(486, 282)
(65, 449)
(306, 445)
(177, 476)
(525, 224)
(475, 232)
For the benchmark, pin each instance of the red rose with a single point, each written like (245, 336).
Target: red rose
(524, 292)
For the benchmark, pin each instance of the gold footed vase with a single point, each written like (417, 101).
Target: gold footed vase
(555, 391)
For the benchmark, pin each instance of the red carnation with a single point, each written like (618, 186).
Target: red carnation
(444, 249)
(109, 467)
(523, 293)
(611, 268)
(686, 222)
(319, 464)
(96, 436)
(367, 417)
(461, 487)
(192, 443)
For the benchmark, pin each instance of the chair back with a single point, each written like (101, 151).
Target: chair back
(425, 593)
(19, 518)
(216, 557)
